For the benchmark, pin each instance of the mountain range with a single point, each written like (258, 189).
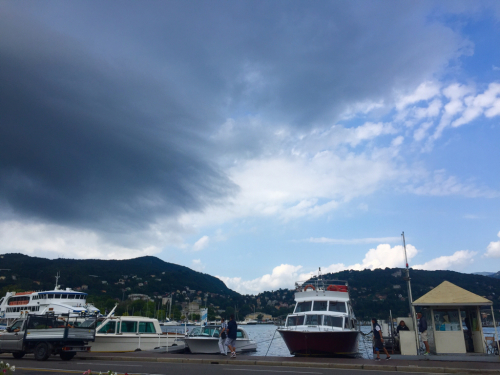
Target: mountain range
(373, 292)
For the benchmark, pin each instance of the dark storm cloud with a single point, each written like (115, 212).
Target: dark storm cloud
(106, 106)
(81, 144)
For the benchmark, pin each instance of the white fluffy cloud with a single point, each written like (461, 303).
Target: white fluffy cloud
(457, 261)
(201, 243)
(197, 265)
(51, 241)
(385, 256)
(285, 275)
(493, 249)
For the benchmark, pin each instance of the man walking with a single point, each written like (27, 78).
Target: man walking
(222, 337)
(232, 327)
(422, 328)
(378, 340)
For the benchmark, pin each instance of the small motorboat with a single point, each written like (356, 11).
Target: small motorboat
(205, 340)
(131, 333)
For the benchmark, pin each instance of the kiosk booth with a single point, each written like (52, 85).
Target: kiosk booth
(454, 319)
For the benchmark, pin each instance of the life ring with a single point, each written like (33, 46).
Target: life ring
(332, 288)
(309, 286)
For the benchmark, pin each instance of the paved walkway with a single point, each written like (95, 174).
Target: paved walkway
(435, 364)
(466, 364)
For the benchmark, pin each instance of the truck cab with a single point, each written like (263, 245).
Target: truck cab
(45, 335)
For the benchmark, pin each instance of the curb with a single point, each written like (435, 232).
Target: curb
(249, 362)
(343, 366)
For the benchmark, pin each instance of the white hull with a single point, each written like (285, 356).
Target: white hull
(210, 345)
(114, 343)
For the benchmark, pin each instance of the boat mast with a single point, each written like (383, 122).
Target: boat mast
(410, 298)
(57, 280)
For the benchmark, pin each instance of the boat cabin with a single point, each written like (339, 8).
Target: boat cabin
(213, 331)
(129, 325)
(323, 305)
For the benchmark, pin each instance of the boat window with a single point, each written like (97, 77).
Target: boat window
(337, 306)
(146, 327)
(313, 320)
(333, 321)
(57, 296)
(208, 331)
(89, 323)
(348, 323)
(295, 321)
(239, 334)
(109, 327)
(195, 332)
(216, 332)
(65, 296)
(320, 305)
(129, 327)
(303, 306)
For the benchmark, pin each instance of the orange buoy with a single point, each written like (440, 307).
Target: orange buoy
(309, 286)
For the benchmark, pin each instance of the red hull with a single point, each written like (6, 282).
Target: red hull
(321, 343)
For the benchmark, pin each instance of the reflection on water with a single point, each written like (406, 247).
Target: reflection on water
(263, 335)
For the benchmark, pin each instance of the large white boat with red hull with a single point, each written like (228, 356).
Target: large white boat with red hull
(323, 322)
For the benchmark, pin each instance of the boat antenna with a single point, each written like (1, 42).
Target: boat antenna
(410, 298)
(58, 275)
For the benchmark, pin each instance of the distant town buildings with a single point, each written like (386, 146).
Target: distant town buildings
(137, 296)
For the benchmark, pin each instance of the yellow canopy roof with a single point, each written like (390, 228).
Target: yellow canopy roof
(446, 294)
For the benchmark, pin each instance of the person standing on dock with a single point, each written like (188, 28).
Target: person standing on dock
(378, 340)
(222, 337)
(232, 328)
(422, 328)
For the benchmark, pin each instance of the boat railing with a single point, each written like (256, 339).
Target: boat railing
(321, 285)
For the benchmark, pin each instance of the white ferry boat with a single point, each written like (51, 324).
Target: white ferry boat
(15, 305)
(323, 322)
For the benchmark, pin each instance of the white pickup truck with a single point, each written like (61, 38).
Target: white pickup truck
(44, 335)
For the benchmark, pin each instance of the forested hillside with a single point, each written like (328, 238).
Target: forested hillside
(373, 293)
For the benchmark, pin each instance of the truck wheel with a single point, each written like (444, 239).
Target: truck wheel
(42, 351)
(18, 355)
(67, 356)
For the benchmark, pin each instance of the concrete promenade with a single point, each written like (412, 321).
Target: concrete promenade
(433, 364)
(472, 364)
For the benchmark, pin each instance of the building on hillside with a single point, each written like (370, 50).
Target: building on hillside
(253, 316)
(190, 308)
(137, 296)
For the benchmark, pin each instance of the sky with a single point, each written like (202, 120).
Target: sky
(255, 141)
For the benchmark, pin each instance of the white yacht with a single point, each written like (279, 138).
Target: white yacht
(205, 340)
(58, 301)
(323, 322)
(131, 333)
